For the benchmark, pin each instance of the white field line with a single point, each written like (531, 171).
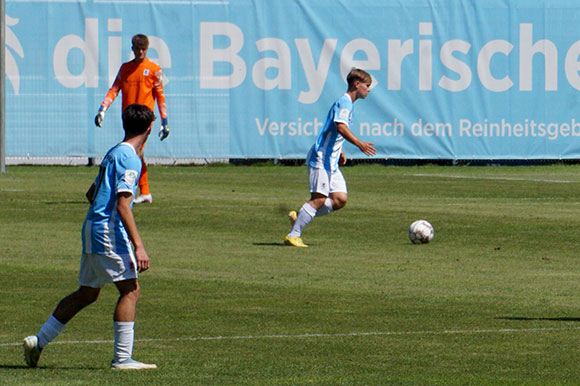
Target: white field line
(322, 335)
(497, 178)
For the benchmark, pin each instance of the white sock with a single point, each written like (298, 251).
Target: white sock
(124, 336)
(325, 209)
(49, 330)
(305, 215)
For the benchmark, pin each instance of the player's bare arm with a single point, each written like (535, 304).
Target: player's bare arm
(366, 147)
(342, 158)
(126, 214)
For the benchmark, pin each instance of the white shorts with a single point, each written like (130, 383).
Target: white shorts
(324, 182)
(98, 270)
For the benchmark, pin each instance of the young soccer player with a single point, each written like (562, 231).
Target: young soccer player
(327, 185)
(108, 232)
(140, 81)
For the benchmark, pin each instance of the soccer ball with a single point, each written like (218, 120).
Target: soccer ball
(421, 232)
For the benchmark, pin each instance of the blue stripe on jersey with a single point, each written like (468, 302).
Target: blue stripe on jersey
(103, 231)
(325, 153)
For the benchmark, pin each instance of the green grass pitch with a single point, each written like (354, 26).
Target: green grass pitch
(494, 299)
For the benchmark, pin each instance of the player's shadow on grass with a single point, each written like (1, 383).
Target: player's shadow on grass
(269, 244)
(66, 202)
(280, 244)
(51, 368)
(524, 318)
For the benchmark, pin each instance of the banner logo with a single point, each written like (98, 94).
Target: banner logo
(12, 44)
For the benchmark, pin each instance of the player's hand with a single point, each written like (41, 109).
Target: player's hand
(164, 129)
(142, 259)
(100, 116)
(342, 160)
(368, 149)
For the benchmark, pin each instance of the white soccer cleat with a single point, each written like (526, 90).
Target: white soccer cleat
(143, 198)
(31, 351)
(131, 364)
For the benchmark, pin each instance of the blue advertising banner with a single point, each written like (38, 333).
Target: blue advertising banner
(452, 79)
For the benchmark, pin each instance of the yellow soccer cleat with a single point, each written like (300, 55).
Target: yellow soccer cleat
(295, 242)
(292, 216)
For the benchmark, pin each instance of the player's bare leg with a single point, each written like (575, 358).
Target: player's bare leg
(124, 323)
(66, 309)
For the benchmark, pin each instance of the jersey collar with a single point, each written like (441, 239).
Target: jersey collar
(128, 144)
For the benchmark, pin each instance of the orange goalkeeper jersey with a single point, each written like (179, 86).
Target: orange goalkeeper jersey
(139, 83)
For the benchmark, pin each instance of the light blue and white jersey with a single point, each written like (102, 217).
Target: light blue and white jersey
(103, 230)
(325, 153)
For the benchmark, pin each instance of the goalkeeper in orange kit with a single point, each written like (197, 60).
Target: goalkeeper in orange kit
(140, 81)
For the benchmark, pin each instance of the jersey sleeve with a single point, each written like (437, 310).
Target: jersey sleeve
(159, 94)
(113, 91)
(342, 110)
(127, 174)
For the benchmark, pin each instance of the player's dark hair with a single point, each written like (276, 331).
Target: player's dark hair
(137, 119)
(357, 75)
(140, 41)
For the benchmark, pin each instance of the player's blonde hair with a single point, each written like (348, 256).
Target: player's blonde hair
(358, 75)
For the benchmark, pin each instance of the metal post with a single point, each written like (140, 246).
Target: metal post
(2, 87)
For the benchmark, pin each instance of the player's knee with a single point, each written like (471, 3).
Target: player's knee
(134, 292)
(129, 289)
(87, 296)
(338, 203)
(137, 292)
